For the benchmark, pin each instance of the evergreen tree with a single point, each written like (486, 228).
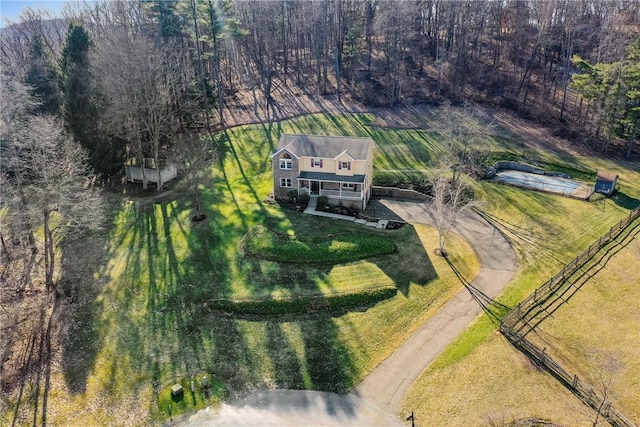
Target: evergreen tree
(613, 91)
(42, 77)
(80, 110)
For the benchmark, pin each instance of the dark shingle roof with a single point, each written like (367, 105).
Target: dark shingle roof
(321, 176)
(325, 146)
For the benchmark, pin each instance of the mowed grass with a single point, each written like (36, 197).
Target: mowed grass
(139, 323)
(494, 383)
(596, 335)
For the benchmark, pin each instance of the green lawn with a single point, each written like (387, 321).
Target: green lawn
(547, 232)
(140, 325)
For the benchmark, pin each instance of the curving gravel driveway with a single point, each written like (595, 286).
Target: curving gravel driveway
(377, 400)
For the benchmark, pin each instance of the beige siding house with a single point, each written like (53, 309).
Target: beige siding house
(338, 167)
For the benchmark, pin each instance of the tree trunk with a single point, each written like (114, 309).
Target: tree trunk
(49, 264)
(200, 67)
(196, 194)
(630, 149)
(4, 248)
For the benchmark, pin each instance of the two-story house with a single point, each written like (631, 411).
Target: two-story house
(338, 167)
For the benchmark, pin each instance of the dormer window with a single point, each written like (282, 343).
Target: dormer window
(344, 165)
(285, 162)
(316, 163)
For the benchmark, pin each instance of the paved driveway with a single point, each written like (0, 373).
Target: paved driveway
(376, 400)
(390, 381)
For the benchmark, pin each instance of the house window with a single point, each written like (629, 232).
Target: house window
(286, 182)
(316, 163)
(344, 165)
(286, 164)
(348, 186)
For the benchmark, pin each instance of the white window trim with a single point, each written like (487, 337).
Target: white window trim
(317, 163)
(286, 164)
(286, 183)
(348, 185)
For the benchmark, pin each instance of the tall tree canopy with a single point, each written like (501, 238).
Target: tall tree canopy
(46, 175)
(512, 54)
(613, 92)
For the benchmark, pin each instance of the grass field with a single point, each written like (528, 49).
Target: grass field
(138, 325)
(547, 232)
(593, 336)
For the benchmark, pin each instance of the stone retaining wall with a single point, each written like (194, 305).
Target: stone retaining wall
(399, 193)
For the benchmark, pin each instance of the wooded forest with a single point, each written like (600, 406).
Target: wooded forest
(130, 78)
(111, 83)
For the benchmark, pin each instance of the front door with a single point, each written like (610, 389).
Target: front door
(315, 187)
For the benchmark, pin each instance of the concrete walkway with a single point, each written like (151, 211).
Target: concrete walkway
(377, 400)
(311, 210)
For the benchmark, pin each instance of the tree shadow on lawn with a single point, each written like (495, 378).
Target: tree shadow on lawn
(143, 325)
(148, 321)
(410, 263)
(83, 275)
(535, 208)
(625, 201)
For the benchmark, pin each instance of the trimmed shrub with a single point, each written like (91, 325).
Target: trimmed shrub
(303, 304)
(303, 199)
(319, 249)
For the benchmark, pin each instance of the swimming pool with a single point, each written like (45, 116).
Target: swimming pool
(546, 183)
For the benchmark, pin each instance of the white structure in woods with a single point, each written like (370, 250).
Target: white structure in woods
(137, 173)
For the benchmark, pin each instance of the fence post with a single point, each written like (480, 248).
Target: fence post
(575, 381)
(535, 295)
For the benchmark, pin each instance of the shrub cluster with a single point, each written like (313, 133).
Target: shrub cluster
(302, 304)
(319, 249)
(412, 181)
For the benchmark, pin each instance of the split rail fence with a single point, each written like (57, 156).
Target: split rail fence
(518, 315)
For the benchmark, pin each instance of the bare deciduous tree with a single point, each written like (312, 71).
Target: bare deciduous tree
(58, 185)
(195, 157)
(139, 80)
(451, 198)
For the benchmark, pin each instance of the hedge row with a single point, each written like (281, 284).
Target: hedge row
(328, 249)
(302, 304)
(417, 181)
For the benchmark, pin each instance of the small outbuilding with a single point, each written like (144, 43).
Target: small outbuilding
(606, 183)
(146, 171)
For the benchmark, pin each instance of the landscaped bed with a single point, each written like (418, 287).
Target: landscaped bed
(320, 248)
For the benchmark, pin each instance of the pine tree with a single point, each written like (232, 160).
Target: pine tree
(42, 77)
(80, 112)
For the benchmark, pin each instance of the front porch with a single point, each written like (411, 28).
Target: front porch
(348, 189)
(351, 194)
